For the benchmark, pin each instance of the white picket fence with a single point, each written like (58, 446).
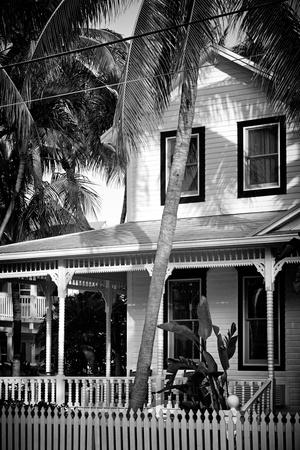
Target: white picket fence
(92, 429)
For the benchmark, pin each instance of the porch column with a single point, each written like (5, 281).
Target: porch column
(269, 276)
(108, 309)
(61, 279)
(48, 328)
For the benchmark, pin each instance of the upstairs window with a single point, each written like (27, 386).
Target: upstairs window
(261, 157)
(193, 182)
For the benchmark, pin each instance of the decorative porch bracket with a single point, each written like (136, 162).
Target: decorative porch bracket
(61, 278)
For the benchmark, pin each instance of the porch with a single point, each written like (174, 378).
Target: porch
(128, 251)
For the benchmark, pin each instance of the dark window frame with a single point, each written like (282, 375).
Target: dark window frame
(279, 285)
(281, 189)
(180, 274)
(200, 131)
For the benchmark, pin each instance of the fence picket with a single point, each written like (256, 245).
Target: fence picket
(146, 432)
(23, 426)
(42, 428)
(139, 431)
(118, 430)
(125, 432)
(231, 431)
(239, 432)
(280, 432)
(75, 430)
(271, 431)
(103, 432)
(176, 430)
(10, 431)
(131, 432)
(207, 431)
(263, 432)
(255, 430)
(247, 429)
(62, 432)
(110, 431)
(97, 431)
(161, 437)
(223, 436)
(297, 431)
(89, 430)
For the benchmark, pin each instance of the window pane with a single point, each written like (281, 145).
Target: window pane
(264, 170)
(183, 301)
(262, 141)
(190, 182)
(262, 155)
(184, 298)
(255, 298)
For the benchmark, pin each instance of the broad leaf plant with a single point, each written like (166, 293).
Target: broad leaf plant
(206, 386)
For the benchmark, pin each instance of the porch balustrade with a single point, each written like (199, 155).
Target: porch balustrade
(32, 307)
(113, 392)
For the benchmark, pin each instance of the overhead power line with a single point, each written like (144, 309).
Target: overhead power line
(110, 86)
(142, 35)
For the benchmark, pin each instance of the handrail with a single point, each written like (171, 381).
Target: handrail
(259, 393)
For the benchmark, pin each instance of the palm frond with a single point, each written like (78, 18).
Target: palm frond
(152, 64)
(66, 20)
(13, 106)
(275, 34)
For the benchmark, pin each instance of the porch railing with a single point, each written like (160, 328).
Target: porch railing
(32, 307)
(260, 402)
(114, 392)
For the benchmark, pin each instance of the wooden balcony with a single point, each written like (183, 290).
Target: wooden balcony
(32, 308)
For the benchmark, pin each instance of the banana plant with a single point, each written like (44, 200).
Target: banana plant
(205, 386)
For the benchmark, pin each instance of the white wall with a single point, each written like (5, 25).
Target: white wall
(226, 95)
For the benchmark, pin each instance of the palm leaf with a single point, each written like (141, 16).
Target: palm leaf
(153, 62)
(276, 30)
(204, 318)
(14, 107)
(68, 18)
(182, 331)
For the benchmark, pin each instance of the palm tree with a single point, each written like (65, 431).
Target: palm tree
(60, 134)
(66, 132)
(178, 53)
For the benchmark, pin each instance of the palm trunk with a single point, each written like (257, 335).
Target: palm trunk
(165, 240)
(16, 366)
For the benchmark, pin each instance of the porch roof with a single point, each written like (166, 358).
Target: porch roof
(205, 232)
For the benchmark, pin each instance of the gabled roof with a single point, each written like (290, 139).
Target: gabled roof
(231, 230)
(288, 221)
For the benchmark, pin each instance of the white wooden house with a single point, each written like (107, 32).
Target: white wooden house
(240, 205)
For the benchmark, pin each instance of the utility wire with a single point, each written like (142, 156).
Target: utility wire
(138, 36)
(113, 85)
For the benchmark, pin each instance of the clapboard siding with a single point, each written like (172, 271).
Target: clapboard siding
(226, 95)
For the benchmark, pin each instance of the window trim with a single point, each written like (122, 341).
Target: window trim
(200, 197)
(242, 365)
(264, 190)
